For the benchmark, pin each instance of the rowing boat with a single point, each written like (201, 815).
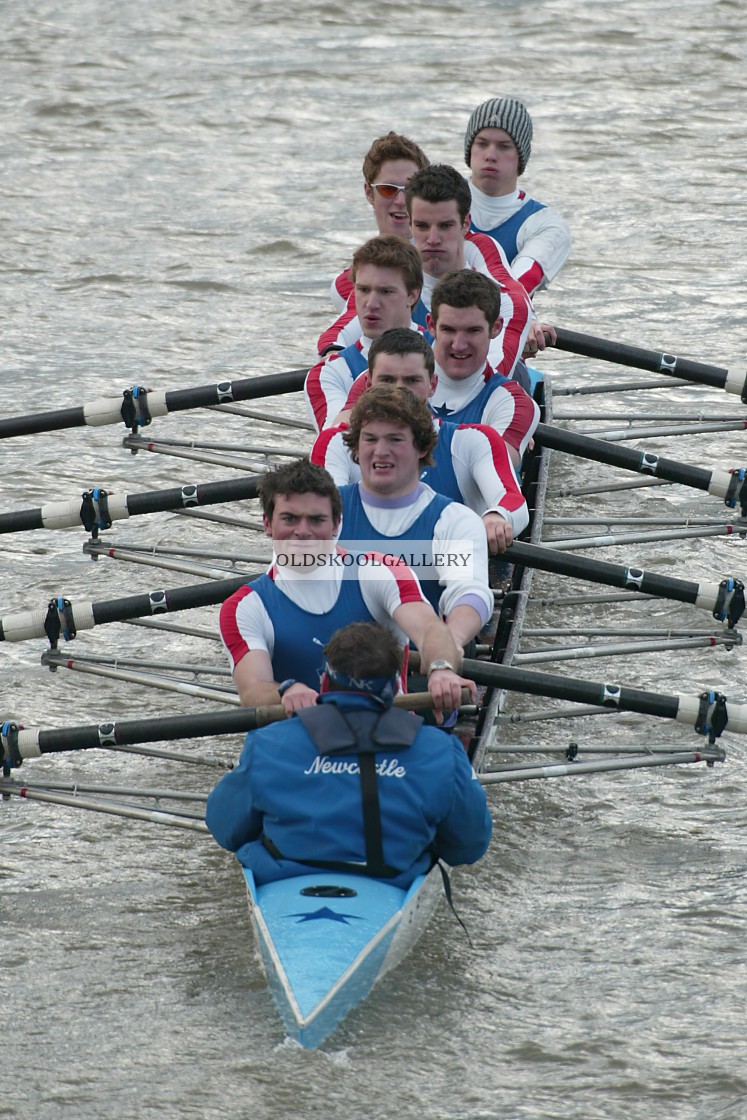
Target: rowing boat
(312, 1003)
(325, 940)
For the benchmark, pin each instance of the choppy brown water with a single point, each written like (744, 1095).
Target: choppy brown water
(179, 182)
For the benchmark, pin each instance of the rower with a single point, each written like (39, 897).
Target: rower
(387, 279)
(438, 202)
(351, 784)
(471, 466)
(391, 437)
(497, 146)
(274, 628)
(388, 166)
(464, 318)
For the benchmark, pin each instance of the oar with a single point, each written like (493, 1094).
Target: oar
(729, 485)
(725, 599)
(63, 619)
(637, 357)
(708, 713)
(137, 406)
(18, 743)
(97, 508)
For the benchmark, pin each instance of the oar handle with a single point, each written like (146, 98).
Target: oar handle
(409, 701)
(18, 743)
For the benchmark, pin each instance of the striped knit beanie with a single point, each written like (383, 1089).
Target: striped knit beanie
(505, 113)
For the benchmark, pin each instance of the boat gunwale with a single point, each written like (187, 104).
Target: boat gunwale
(518, 595)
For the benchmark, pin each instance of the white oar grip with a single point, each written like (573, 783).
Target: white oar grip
(157, 402)
(108, 410)
(735, 382)
(60, 515)
(30, 624)
(720, 482)
(689, 710)
(24, 625)
(28, 742)
(708, 594)
(64, 515)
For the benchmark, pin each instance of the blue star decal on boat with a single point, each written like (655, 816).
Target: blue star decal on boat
(442, 411)
(323, 913)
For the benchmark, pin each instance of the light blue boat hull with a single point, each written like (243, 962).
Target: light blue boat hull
(323, 954)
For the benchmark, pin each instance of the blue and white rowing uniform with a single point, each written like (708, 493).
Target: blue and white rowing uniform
(302, 657)
(292, 616)
(432, 526)
(481, 254)
(535, 238)
(471, 466)
(329, 382)
(488, 398)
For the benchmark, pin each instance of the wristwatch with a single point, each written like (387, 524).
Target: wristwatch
(283, 688)
(439, 663)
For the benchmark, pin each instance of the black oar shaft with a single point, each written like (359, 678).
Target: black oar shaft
(61, 515)
(600, 571)
(641, 462)
(572, 689)
(163, 602)
(21, 743)
(58, 420)
(22, 521)
(253, 388)
(706, 713)
(154, 403)
(132, 731)
(82, 616)
(639, 358)
(159, 501)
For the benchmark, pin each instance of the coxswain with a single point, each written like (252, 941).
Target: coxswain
(351, 784)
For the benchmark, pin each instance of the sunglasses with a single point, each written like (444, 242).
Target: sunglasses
(388, 190)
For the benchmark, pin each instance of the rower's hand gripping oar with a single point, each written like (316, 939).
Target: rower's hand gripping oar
(710, 714)
(655, 362)
(18, 742)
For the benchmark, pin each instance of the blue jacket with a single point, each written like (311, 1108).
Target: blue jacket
(308, 804)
